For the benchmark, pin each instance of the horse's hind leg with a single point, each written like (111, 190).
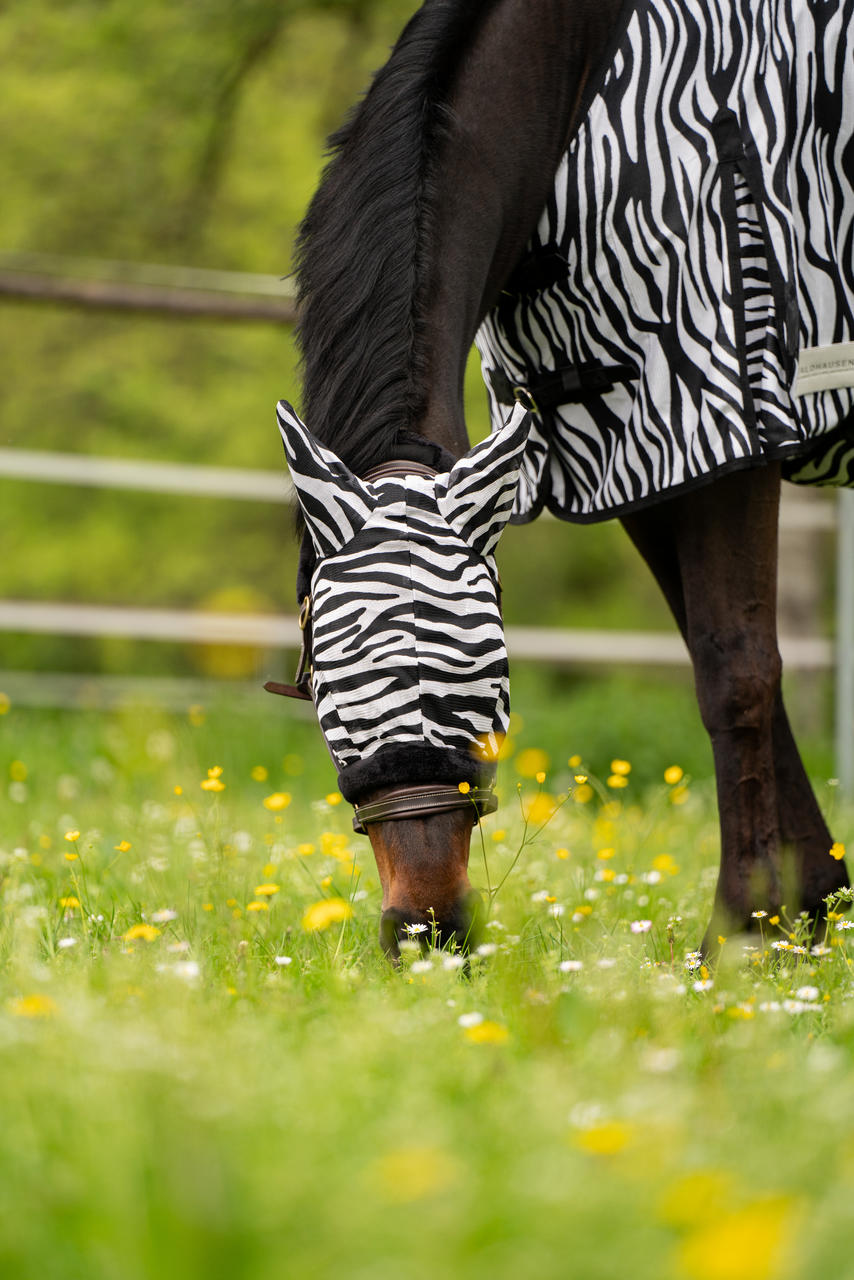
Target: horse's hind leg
(714, 556)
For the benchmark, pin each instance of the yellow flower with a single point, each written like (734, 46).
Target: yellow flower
(278, 800)
(266, 890)
(617, 780)
(574, 762)
(541, 808)
(563, 854)
(607, 874)
(673, 774)
(320, 915)
(744, 1244)
(35, 1006)
(71, 857)
(5, 703)
(122, 846)
(679, 795)
(541, 776)
(605, 1139)
(212, 784)
(71, 836)
(464, 788)
(583, 794)
(699, 1196)
(621, 767)
(177, 791)
(664, 862)
(259, 773)
(487, 1032)
(69, 902)
(605, 854)
(413, 1173)
(147, 932)
(334, 797)
(258, 906)
(326, 882)
(305, 850)
(18, 771)
(531, 762)
(207, 906)
(773, 919)
(499, 835)
(837, 851)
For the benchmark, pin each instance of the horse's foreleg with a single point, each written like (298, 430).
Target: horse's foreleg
(714, 555)
(803, 829)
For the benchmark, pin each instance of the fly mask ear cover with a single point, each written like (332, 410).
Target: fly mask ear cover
(410, 677)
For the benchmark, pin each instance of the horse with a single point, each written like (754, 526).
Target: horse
(652, 351)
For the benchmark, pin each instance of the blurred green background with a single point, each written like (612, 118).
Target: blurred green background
(193, 135)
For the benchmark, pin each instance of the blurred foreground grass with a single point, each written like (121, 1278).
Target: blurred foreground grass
(204, 1072)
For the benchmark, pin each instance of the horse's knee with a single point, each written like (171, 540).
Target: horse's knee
(737, 680)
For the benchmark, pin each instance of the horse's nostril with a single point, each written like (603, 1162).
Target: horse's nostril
(457, 928)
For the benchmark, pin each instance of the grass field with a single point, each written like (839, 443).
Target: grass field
(206, 1068)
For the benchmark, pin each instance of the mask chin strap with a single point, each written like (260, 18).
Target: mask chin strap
(422, 802)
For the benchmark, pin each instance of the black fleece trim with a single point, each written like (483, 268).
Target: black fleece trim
(401, 766)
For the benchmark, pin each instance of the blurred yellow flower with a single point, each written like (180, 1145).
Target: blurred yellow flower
(679, 795)
(621, 767)
(487, 1032)
(837, 851)
(750, 1243)
(464, 788)
(18, 771)
(71, 857)
(305, 850)
(5, 703)
(146, 932)
(207, 906)
(69, 902)
(196, 715)
(605, 1139)
(563, 854)
(617, 780)
(664, 862)
(212, 784)
(177, 791)
(35, 1006)
(583, 794)
(413, 1173)
(334, 797)
(277, 801)
(499, 835)
(541, 807)
(259, 773)
(258, 906)
(122, 846)
(72, 836)
(541, 776)
(605, 854)
(266, 890)
(574, 762)
(673, 774)
(531, 762)
(320, 915)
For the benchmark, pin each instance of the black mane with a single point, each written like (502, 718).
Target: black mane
(362, 245)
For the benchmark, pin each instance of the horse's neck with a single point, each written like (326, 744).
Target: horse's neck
(511, 113)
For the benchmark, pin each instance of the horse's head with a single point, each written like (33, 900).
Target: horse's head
(409, 666)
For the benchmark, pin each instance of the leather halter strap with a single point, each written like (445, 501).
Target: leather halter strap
(421, 802)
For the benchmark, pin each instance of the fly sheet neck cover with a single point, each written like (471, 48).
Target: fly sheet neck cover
(409, 674)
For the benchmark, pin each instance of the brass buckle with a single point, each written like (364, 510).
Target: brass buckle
(523, 397)
(304, 613)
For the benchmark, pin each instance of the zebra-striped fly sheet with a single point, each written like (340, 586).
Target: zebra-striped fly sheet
(700, 232)
(408, 649)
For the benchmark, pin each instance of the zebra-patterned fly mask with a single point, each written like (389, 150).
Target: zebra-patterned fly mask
(409, 665)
